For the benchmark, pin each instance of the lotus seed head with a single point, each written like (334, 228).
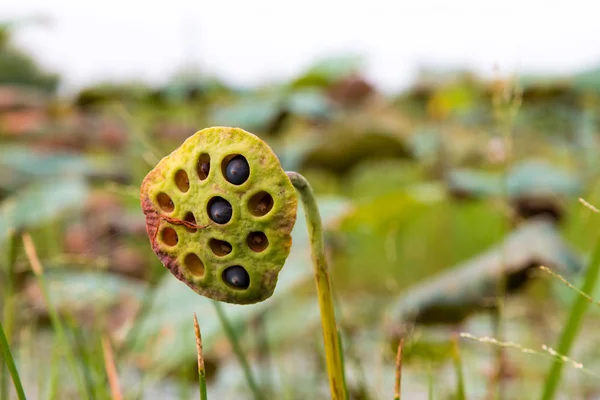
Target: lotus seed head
(219, 214)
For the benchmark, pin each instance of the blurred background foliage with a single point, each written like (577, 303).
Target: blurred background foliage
(432, 199)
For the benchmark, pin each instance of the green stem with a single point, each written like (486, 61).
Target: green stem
(202, 384)
(341, 350)
(201, 369)
(237, 349)
(54, 370)
(82, 355)
(333, 357)
(264, 353)
(10, 364)
(430, 383)
(398, 381)
(460, 381)
(571, 329)
(8, 313)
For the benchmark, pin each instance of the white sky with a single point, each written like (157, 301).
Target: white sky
(252, 41)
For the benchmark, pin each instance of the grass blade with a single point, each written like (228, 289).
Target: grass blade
(569, 285)
(8, 312)
(237, 349)
(545, 352)
(430, 383)
(81, 355)
(57, 325)
(201, 370)
(54, 371)
(460, 380)
(571, 329)
(10, 364)
(398, 382)
(111, 369)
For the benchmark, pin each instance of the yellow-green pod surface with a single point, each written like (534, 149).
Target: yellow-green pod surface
(179, 195)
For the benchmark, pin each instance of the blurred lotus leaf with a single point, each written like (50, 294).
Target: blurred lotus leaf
(266, 113)
(539, 178)
(254, 114)
(23, 110)
(308, 103)
(19, 68)
(89, 295)
(431, 345)
(188, 84)
(425, 144)
(538, 88)
(454, 99)
(16, 97)
(328, 71)
(386, 243)
(366, 179)
(588, 81)
(21, 163)
(531, 178)
(374, 134)
(474, 284)
(323, 182)
(104, 94)
(43, 163)
(351, 91)
(41, 202)
(472, 183)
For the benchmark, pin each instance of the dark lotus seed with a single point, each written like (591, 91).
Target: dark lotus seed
(237, 277)
(237, 170)
(219, 210)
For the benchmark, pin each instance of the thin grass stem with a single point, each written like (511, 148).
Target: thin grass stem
(10, 364)
(201, 369)
(57, 324)
(54, 371)
(237, 349)
(8, 312)
(398, 381)
(571, 329)
(545, 352)
(111, 369)
(460, 379)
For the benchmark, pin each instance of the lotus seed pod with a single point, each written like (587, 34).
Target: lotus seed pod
(219, 214)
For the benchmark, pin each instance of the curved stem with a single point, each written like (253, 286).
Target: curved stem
(333, 355)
